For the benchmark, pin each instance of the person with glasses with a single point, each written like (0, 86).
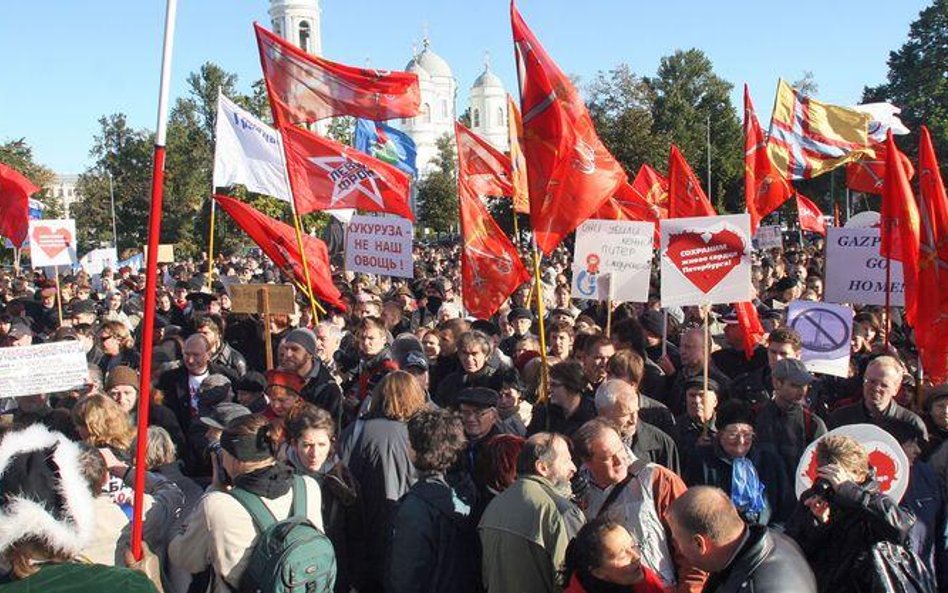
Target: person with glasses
(603, 557)
(118, 347)
(754, 477)
(478, 409)
(568, 408)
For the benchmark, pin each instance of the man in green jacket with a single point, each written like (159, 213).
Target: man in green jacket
(526, 528)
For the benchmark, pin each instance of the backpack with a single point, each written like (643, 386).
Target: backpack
(290, 556)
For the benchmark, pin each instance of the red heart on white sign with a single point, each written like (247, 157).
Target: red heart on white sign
(706, 258)
(51, 241)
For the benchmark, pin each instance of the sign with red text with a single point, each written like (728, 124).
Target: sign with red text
(52, 243)
(379, 245)
(706, 260)
(618, 249)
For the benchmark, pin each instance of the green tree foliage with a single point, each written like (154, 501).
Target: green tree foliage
(689, 96)
(438, 192)
(18, 154)
(918, 81)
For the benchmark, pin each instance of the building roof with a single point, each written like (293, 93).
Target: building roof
(431, 62)
(487, 79)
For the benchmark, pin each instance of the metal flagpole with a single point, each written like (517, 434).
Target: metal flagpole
(151, 275)
(210, 241)
(112, 199)
(710, 198)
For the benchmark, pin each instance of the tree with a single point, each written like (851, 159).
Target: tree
(690, 97)
(438, 191)
(807, 84)
(917, 81)
(18, 154)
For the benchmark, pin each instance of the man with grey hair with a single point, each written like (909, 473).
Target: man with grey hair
(618, 402)
(525, 529)
(328, 339)
(882, 381)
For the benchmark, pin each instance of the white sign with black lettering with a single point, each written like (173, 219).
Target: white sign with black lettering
(621, 249)
(826, 332)
(379, 245)
(44, 368)
(768, 236)
(855, 272)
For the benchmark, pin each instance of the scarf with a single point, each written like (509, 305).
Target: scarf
(268, 482)
(747, 493)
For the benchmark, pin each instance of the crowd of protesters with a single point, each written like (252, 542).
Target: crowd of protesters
(441, 453)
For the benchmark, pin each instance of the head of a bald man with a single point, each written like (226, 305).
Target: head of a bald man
(706, 527)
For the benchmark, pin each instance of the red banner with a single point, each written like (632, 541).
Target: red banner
(765, 189)
(15, 192)
(811, 218)
(486, 169)
(685, 196)
(900, 225)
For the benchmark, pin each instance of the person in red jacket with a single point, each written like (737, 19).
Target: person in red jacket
(605, 558)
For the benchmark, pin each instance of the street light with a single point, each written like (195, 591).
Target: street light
(112, 198)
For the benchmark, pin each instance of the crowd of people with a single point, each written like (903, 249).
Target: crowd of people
(398, 445)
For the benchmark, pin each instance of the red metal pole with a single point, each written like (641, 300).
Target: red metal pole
(151, 278)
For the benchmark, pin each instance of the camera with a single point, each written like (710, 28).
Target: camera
(822, 488)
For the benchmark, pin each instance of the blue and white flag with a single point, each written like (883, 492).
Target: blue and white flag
(386, 144)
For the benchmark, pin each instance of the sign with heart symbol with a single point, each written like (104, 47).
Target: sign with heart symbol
(706, 260)
(52, 242)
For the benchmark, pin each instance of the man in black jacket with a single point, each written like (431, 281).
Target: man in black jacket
(711, 534)
(297, 354)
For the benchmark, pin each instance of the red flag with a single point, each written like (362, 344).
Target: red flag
(304, 88)
(867, 175)
(753, 331)
(765, 189)
(627, 204)
(491, 269)
(899, 219)
(571, 174)
(652, 187)
(325, 174)
(278, 241)
(15, 192)
(932, 311)
(486, 169)
(685, 197)
(811, 218)
(518, 164)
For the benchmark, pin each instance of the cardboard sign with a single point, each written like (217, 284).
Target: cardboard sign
(379, 245)
(826, 331)
(44, 368)
(621, 249)
(248, 298)
(98, 259)
(165, 254)
(885, 456)
(768, 237)
(706, 260)
(855, 272)
(52, 243)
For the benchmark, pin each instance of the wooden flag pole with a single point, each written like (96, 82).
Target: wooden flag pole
(59, 298)
(264, 296)
(543, 391)
(309, 283)
(516, 228)
(151, 276)
(706, 311)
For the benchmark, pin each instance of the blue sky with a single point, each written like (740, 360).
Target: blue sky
(68, 62)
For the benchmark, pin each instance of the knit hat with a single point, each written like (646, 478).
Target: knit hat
(122, 375)
(304, 337)
(43, 494)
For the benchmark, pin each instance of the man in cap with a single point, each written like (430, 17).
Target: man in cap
(298, 354)
(416, 364)
(731, 359)
(249, 391)
(83, 312)
(121, 385)
(692, 349)
(521, 319)
(785, 423)
(697, 427)
(478, 409)
(757, 386)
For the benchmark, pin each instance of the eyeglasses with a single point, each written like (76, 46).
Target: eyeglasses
(106, 337)
(737, 435)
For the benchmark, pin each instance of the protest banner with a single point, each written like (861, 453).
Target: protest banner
(706, 260)
(43, 368)
(52, 243)
(855, 272)
(622, 249)
(825, 330)
(768, 237)
(379, 245)
(247, 298)
(165, 253)
(98, 259)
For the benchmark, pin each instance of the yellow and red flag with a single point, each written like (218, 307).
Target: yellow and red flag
(518, 164)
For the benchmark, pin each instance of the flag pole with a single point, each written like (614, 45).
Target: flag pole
(515, 225)
(888, 288)
(210, 241)
(543, 386)
(151, 275)
(298, 224)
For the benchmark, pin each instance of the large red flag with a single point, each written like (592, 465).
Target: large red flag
(810, 215)
(652, 187)
(751, 328)
(304, 88)
(571, 173)
(868, 174)
(278, 241)
(685, 196)
(15, 192)
(491, 269)
(518, 164)
(932, 310)
(901, 232)
(765, 189)
(325, 174)
(486, 169)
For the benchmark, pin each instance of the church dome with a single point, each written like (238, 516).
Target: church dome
(431, 62)
(416, 68)
(487, 79)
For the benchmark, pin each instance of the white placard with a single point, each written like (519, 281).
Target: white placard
(52, 243)
(98, 259)
(622, 249)
(44, 368)
(855, 272)
(706, 260)
(379, 245)
(826, 331)
(768, 237)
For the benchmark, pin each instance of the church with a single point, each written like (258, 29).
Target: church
(298, 21)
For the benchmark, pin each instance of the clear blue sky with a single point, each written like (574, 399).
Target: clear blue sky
(68, 62)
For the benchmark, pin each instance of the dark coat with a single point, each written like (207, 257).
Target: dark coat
(651, 444)
(733, 361)
(232, 361)
(929, 536)
(322, 390)
(858, 414)
(787, 432)
(768, 562)
(657, 414)
(558, 421)
(434, 542)
(447, 390)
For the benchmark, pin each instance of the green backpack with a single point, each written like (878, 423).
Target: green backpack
(290, 556)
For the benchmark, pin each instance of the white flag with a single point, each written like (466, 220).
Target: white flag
(885, 116)
(248, 152)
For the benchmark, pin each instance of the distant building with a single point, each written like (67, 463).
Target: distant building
(63, 188)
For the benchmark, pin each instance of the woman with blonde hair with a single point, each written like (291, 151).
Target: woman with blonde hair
(102, 423)
(117, 344)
